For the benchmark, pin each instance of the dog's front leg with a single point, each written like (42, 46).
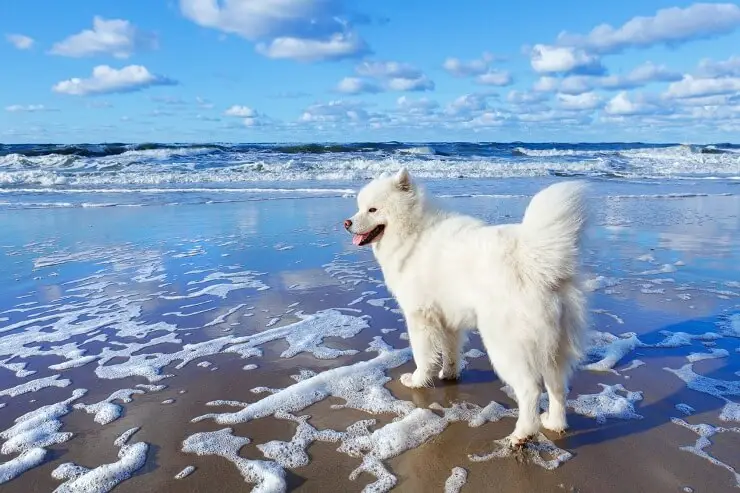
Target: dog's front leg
(422, 333)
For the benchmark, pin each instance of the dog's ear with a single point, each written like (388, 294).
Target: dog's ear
(403, 180)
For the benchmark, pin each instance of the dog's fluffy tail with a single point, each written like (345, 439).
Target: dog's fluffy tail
(551, 232)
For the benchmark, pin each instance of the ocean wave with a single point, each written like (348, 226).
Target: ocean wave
(153, 165)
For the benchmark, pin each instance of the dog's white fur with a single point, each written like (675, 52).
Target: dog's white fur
(517, 283)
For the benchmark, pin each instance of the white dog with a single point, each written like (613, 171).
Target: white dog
(518, 284)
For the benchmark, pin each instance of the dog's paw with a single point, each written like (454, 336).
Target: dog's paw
(517, 442)
(412, 381)
(450, 373)
(558, 424)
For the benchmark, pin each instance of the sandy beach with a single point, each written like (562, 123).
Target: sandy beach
(251, 343)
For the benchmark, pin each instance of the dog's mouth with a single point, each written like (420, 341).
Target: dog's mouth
(367, 238)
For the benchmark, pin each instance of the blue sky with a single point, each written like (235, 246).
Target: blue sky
(332, 70)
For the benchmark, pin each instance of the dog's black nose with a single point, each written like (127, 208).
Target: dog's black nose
(347, 224)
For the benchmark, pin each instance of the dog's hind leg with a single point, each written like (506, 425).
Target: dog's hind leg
(451, 342)
(424, 333)
(555, 383)
(514, 367)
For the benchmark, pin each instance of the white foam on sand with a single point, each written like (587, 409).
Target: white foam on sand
(473, 414)
(540, 451)
(306, 335)
(607, 404)
(705, 432)
(456, 481)
(293, 454)
(267, 476)
(185, 472)
(39, 428)
(608, 349)
(730, 325)
(18, 465)
(720, 389)
(73, 363)
(635, 363)
(35, 386)
(712, 354)
(679, 339)
(600, 282)
(106, 411)
(105, 477)
(360, 385)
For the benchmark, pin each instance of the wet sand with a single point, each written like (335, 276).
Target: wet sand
(666, 265)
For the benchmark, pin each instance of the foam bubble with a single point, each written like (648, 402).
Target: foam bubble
(607, 404)
(103, 478)
(185, 472)
(35, 386)
(456, 481)
(705, 432)
(541, 451)
(106, 411)
(18, 465)
(609, 349)
(712, 354)
(685, 409)
(267, 476)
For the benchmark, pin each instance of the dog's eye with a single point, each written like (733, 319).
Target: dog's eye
(372, 209)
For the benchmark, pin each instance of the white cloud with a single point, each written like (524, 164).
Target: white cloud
(203, 103)
(305, 30)
(106, 79)
(547, 59)
(336, 47)
(335, 111)
(668, 26)
(729, 67)
(640, 76)
(357, 85)
(30, 108)
(240, 111)
(695, 87)
(499, 78)
(417, 106)
(523, 97)
(116, 37)
(462, 68)
(20, 41)
(388, 70)
(580, 102)
(422, 83)
(468, 104)
(623, 105)
(396, 76)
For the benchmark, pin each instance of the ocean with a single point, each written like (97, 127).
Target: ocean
(94, 175)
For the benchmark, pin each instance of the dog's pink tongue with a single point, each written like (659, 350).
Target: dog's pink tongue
(357, 239)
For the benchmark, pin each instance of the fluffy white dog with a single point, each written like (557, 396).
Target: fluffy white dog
(517, 283)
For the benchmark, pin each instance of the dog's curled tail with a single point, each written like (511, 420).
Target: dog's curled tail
(551, 233)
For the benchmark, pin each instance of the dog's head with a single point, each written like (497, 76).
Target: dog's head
(383, 204)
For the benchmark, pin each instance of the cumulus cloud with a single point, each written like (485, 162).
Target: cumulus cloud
(548, 59)
(623, 105)
(106, 79)
(640, 76)
(480, 69)
(20, 41)
(335, 111)
(116, 37)
(669, 26)
(525, 97)
(696, 87)
(417, 106)
(29, 108)
(358, 85)
(240, 111)
(729, 67)
(305, 30)
(336, 47)
(580, 102)
(392, 76)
